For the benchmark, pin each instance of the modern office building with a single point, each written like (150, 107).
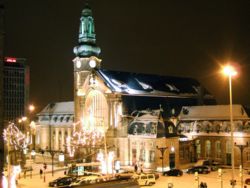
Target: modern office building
(16, 88)
(1, 83)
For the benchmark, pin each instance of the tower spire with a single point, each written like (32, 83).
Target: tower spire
(87, 38)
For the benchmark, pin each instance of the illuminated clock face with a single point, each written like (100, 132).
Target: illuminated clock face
(92, 63)
(78, 64)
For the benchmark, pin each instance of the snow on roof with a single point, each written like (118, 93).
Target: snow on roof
(58, 108)
(151, 85)
(212, 112)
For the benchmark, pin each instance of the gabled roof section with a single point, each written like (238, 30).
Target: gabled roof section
(127, 83)
(212, 112)
(58, 108)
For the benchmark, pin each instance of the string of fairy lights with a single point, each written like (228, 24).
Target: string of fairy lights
(84, 136)
(17, 140)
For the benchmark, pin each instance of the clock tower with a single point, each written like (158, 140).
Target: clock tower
(86, 60)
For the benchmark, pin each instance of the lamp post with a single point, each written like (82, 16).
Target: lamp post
(162, 150)
(32, 155)
(241, 147)
(220, 177)
(230, 72)
(196, 177)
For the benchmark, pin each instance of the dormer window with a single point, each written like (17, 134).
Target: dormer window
(172, 87)
(55, 119)
(144, 85)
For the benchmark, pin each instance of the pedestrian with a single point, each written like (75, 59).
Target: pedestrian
(205, 185)
(202, 185)
(141, 168)
(136, 168)
(24, 174)
(41, 173)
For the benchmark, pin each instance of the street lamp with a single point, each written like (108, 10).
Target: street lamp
(32, 155)
(162, 150)
(220, 177)
(241, 147)
(230, 72)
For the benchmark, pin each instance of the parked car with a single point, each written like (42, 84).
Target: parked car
(199, 169)
(145, 179)
(173, 172)
(212, 165)
(62, 181)
(247, 181)
(125, 175)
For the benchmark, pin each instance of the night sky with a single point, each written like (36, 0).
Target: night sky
(180, 38)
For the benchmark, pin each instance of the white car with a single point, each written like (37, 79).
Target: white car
(145, 179)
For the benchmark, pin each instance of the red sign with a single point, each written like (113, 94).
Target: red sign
(10, 59)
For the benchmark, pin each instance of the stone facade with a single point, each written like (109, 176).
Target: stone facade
(207, 132)
(54, 125)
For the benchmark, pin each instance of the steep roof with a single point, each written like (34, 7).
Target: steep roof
(212, 112)
(127, 83)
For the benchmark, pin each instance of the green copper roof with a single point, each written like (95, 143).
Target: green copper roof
(87, 41)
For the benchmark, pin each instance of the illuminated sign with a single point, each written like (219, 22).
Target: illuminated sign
(10, 59)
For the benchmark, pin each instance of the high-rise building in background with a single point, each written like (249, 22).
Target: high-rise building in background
(16, 88)
(1, 84)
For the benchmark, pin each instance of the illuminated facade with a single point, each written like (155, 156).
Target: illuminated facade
(108, 100)
(207, 134)
(54, 125)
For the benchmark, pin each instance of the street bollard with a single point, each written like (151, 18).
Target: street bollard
(170, 185)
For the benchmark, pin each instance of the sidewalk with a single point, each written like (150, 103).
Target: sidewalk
(33, 178)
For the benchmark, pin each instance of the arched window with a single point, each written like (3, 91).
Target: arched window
(198, 148)
(218, 149)
(228, 146)
(96, 109)
(228, 152)
(207, 148)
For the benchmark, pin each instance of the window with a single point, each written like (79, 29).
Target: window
(117, 152)
(218, 149)
(248, 156)
(151, 156)
(198, 148)
(228, 146)
(208, 148)
(96, 109)
(55, 118)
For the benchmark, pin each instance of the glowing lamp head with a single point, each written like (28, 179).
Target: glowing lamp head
(31, 108)
(92, 63)
(229, 71)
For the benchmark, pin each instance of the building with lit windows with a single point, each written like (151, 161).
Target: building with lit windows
(206, 132)
(2, 9)
(134, 109)
(16, 88)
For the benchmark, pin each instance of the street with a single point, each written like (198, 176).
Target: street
(185, 181)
